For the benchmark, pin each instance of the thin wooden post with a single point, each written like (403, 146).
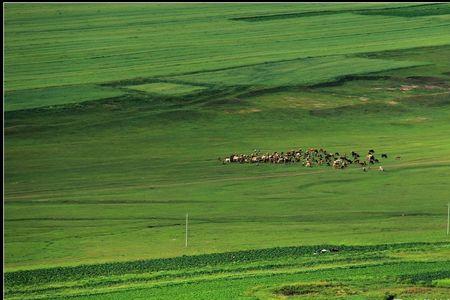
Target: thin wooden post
(448, 218)
(187, 220)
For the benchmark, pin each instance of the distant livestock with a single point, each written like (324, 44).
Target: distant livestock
(308, 158)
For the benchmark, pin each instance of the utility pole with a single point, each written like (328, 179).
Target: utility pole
(187, 218)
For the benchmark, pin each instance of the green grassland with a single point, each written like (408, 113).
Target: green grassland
(116, 116)
(294, 272)
(59, 95)
(166, 88)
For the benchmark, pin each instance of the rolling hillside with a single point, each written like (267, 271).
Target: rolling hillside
(116, 115)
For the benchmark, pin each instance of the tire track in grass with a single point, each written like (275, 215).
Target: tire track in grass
(395, 166)
(437, 163)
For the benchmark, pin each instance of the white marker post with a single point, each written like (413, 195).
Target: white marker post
(186, 242)
(448, 218)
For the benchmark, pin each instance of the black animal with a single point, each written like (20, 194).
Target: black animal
(371, 151)
(383, 155)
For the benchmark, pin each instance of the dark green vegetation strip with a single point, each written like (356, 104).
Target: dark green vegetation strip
(410, 11)
(181, 262)
(425, 277)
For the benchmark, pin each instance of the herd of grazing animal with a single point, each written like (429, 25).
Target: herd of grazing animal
(308, 158)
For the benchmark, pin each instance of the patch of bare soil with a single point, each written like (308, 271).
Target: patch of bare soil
(405, 88)
(243, 111)
(409, 121)
(314, 289)
(431, 87)
(424, 80)
(417, 290)
(109, 106)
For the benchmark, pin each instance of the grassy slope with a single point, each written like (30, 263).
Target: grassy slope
(111, 180)
(186, 39)
(44, 97)
(166, 88)
(295, 73)
(57, 174)
(394, 269)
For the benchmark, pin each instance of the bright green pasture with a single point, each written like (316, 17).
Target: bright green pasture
(59, 95)
(296, 72)
(419, 270)
(117, 117)
(48, 45)
(166, 88)
(104, 190)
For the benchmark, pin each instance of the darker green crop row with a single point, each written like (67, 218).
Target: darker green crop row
(425, 277)
(411, 11)
(182, 262)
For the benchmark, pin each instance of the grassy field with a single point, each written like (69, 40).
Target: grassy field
(166, 88)
(116, 116)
